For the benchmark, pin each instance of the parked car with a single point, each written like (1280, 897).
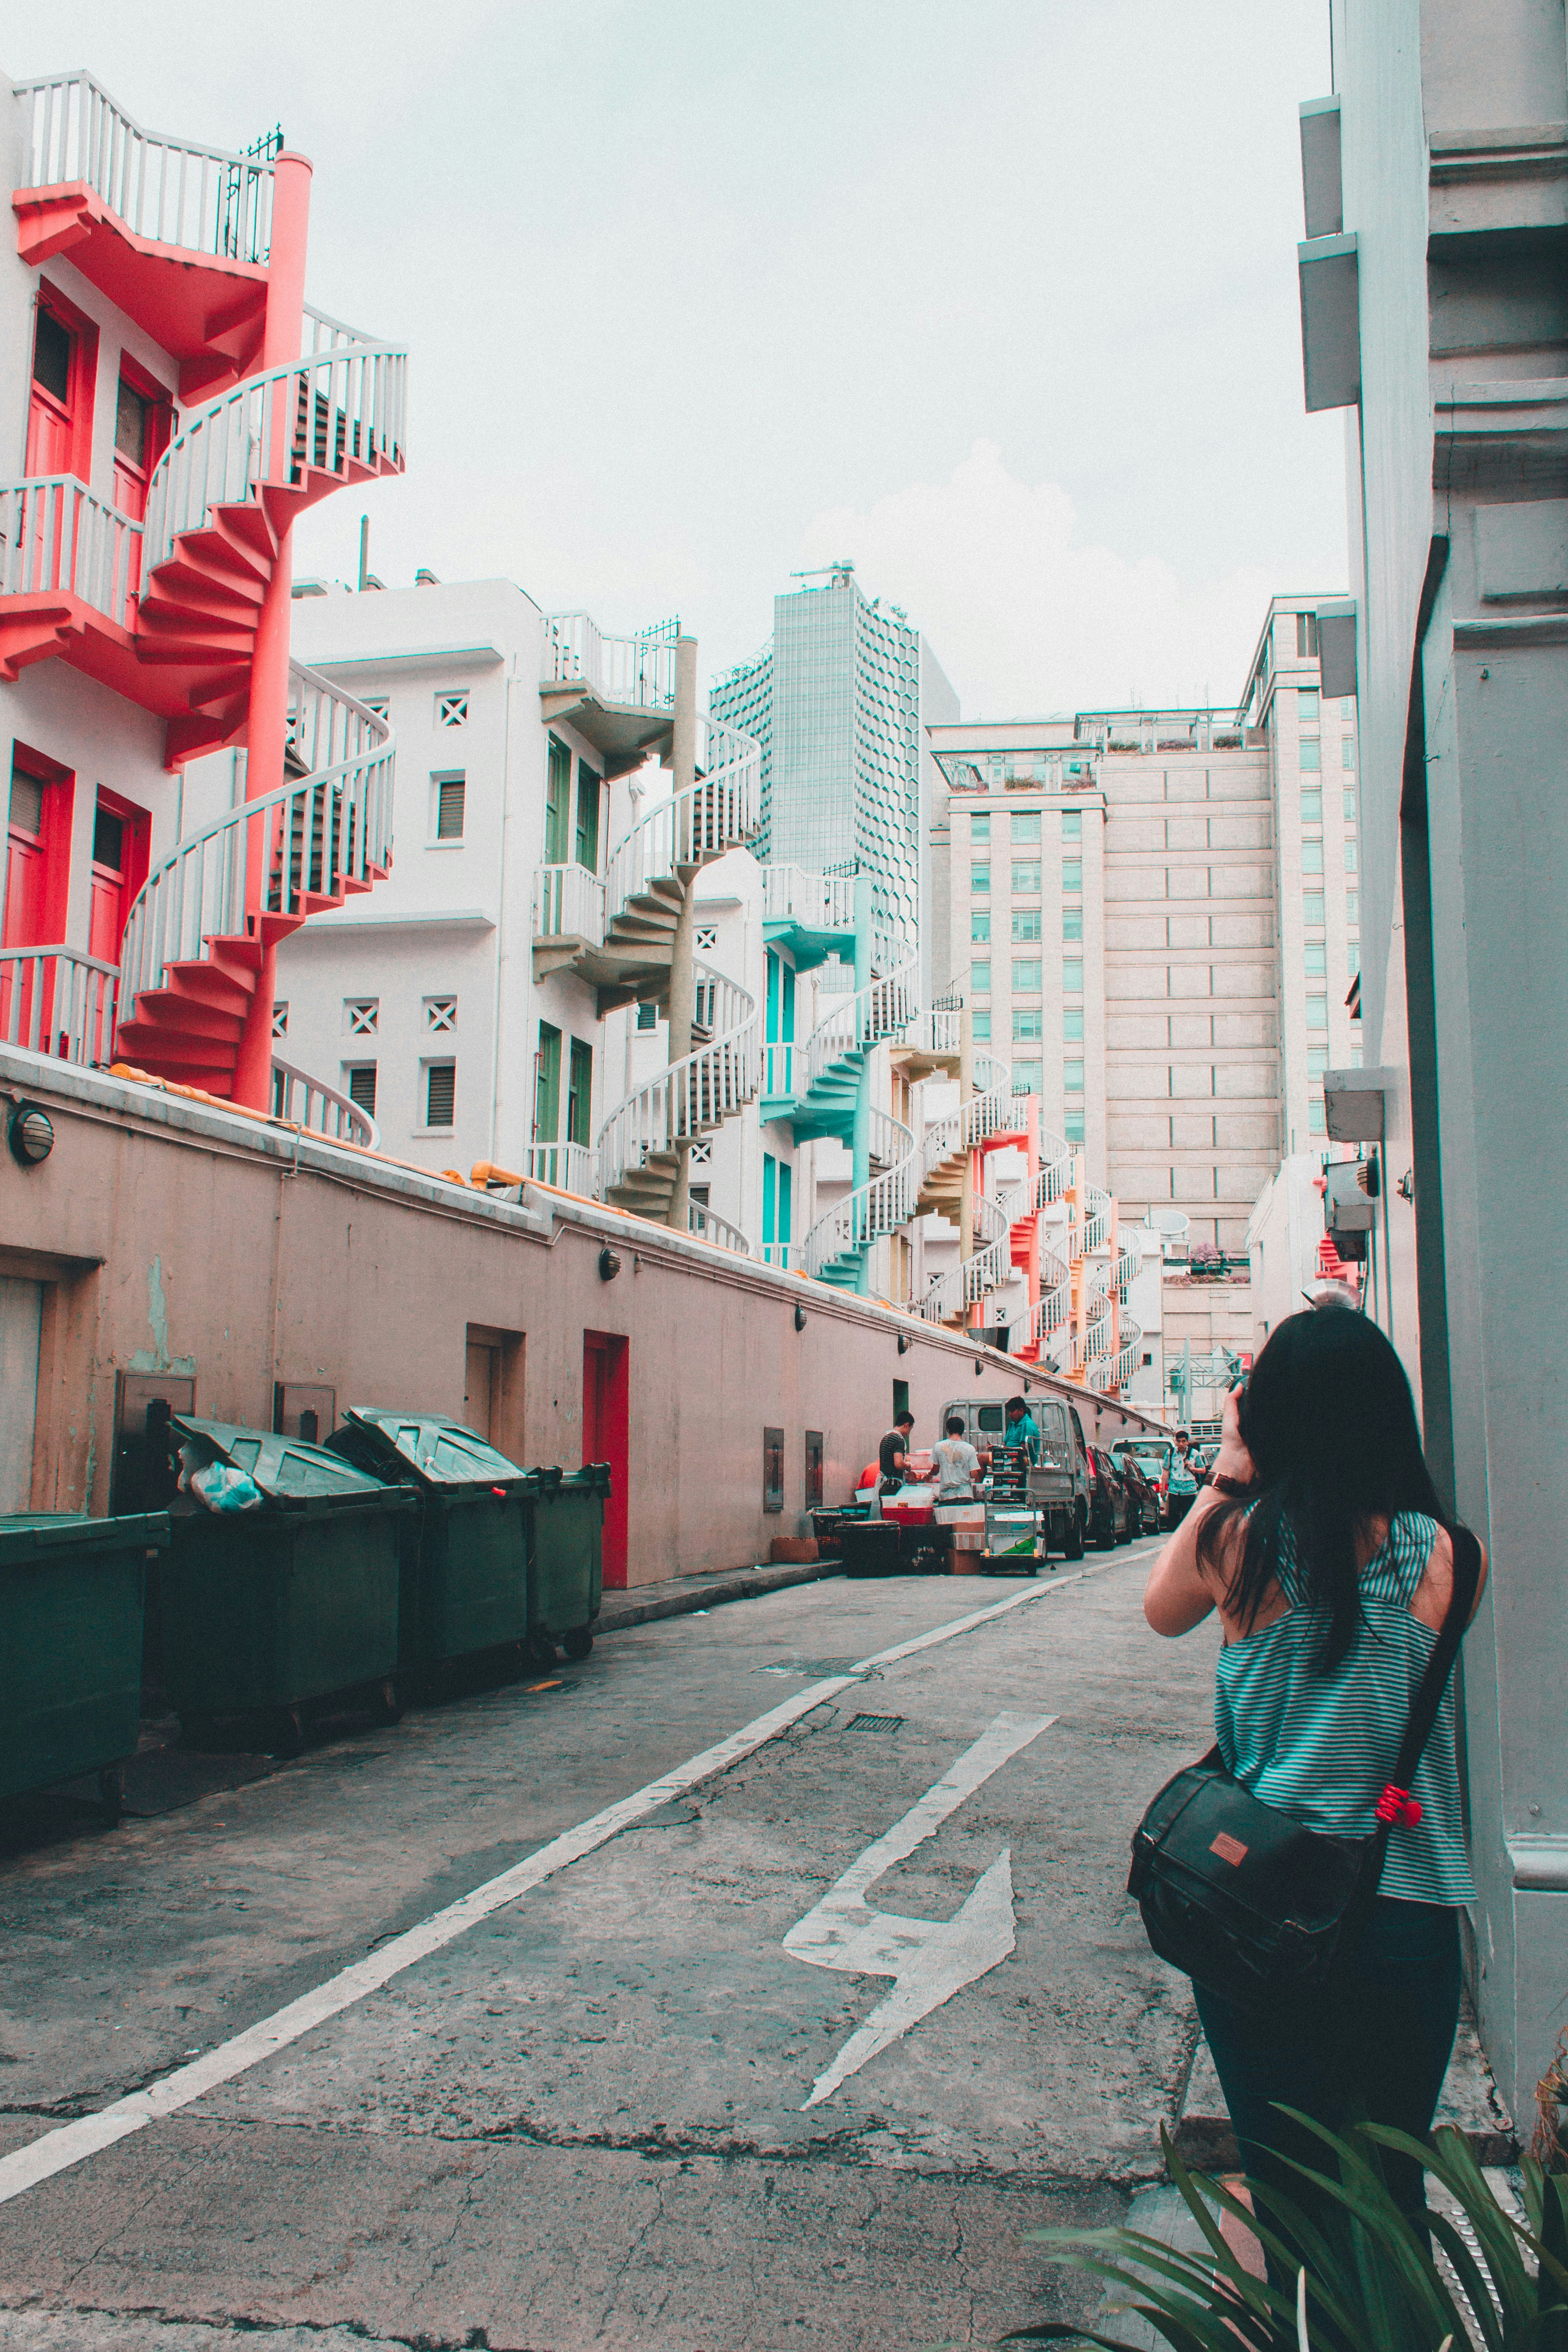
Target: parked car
(1110, 1507)
(1142, 1496)
(1156, 1457)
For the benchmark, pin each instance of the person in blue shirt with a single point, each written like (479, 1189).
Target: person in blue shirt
(1022, 1428)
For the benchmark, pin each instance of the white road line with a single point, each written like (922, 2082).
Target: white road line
(68, 2144)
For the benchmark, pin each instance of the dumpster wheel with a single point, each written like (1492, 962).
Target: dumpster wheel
(112, 1794)
(288, 1731)
(386, 1702)
(578, 1641)
(541, 1651)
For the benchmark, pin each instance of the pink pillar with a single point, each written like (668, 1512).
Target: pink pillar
(268, 721)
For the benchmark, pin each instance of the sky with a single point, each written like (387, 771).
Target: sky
(995, 298)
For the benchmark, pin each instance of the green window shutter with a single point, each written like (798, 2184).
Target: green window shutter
(580, 1092)
(787, 1189)
(771, 1037)
(547, 1086)
(557, 801)
(587, 817)
(770, 1198)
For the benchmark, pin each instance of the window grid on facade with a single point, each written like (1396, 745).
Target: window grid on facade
(1072, 922)
(980, 929)
(1072, 1024)
(450, 792)
(980, 979)
(1027, 974)
(1072, 976)
(707, 940)
(452, 708)
(440, 1093)
(440, 1012)
(1025, 878)
(1072, 875)
(362, 1086)
(1026, 925)
(1311, 906)
(1028, 1077)
(979, 881)
(363, 1015)
(648, 1016)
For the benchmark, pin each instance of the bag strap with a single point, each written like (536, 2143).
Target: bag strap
(1395, 1804)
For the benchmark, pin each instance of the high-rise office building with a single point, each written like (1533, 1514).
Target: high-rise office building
(840, 699)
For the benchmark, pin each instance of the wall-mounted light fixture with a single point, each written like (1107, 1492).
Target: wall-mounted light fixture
(903, 1343)
(980, 1363)
(799, 1317)
(31, 1135)
(609, 1264)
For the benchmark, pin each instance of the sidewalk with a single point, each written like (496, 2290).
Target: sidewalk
(682, 1596)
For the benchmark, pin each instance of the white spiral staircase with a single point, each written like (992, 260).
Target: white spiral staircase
(836, 1246)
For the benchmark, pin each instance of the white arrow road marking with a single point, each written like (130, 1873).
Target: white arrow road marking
(928, 1960)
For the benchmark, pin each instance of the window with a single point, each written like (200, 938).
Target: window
(1311, 808)
(1026, 926)
(1352, 957)
(280, 1020)
(979, 827)
(980, 881)
(980, 927)
(813, 1450)
(1025, 824)
(773, 1469)
(1027, 1021)
(1072, 922)
(1072, 1132)
(362, 1086)
(1312, 857)
(980, 979)
(1306, 637)
(1317, 1060)
(1026, 878)
(701, 1155)
(362, 1015)
(580, 1093)
(1309, 755)
(1350, 857)
(1072, 1024)
(52, 347)
(588, 843)
(557, 801)
(1026, 1077)
(707, 941)
(648, 1016)
(981, 1026)
(1317, 1012)
(1311, 907)
(1072, 1078)
(1353, 906)
(441, 1012)
(1312, 957)
(1350, 804)
(547, 1085)
(1072, 976)
(1027, 974)
(1072, 824)
(448, 808)
(1347, 752)
(440, 1093)
(452, 708)
(1316, 1123)
(1307, 702)
(1072, 875)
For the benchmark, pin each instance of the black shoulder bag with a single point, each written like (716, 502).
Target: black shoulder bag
(1243, 1899)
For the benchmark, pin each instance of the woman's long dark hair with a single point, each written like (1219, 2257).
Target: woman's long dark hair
(1330, 1423)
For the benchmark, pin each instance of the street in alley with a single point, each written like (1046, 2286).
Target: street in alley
(790, 1990)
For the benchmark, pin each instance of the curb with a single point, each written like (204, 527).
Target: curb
(696, 1593)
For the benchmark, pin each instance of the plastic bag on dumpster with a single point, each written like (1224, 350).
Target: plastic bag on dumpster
(218, 1485)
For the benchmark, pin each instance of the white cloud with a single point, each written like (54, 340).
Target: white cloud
(1025, 618)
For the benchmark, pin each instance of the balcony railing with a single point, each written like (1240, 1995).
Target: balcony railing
(569, 1167)
(709, 1227)
(58, 1002)
(320, 1110)
(568, 904)
(170, 191)
(783, 1065)
(782, 1255)
(637, 670)
(58, 537)
(817, 902)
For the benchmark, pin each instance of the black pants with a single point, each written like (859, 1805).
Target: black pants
(1378, 2050)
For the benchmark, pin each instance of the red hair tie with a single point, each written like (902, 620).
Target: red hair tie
(1398, 1806)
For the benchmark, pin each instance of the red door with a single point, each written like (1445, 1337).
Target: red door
(51, 411)
(24, 880)
(143, 420)
(118, 869)
(606, 1438)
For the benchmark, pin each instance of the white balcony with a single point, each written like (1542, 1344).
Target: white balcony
(568, 906)
(617, 691)
(58, 1002)
(810, 902)
(569, 1167)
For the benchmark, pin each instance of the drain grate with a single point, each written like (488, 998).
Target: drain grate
(875, 1723)
(813, 1669)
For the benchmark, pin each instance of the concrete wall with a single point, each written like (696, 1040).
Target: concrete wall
(168, 1235)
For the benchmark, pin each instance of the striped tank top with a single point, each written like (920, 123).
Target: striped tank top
(1321, 1748)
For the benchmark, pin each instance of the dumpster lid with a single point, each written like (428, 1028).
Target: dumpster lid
(545, 1480)
(285, 1469)
(24, 1534)
(440, 1452)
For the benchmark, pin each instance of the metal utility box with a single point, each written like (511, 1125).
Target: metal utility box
(271, 1611)
(566, 1556)
(464, 1580)
(72, 1595)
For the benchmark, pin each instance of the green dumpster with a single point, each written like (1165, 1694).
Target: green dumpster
(464, 1580)
(71, 1647)
(268, 1613)
(566, 1558)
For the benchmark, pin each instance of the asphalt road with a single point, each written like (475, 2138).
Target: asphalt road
(589, 2110)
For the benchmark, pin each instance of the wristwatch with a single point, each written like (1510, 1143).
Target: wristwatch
(1224, 1486)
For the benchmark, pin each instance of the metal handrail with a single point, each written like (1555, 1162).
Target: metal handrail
(638, 671)
(720, 810)
(301, 1100)
(962, 1285)
(345, 404)
(568, 903)
(1115, 1372)
(696, 1093)
(175, 191)
(883, 1008)
(569, 1167)
(59, 538)
(310, 835)
(73, 1024)
(709, 1227)
(871, 1210)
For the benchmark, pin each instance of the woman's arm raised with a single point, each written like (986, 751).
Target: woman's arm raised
(1179, 1594)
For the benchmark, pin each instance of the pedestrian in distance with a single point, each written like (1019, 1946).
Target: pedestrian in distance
(893, 1456)
(1022, 1428)
(957, 1465)
(1323, 1543)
